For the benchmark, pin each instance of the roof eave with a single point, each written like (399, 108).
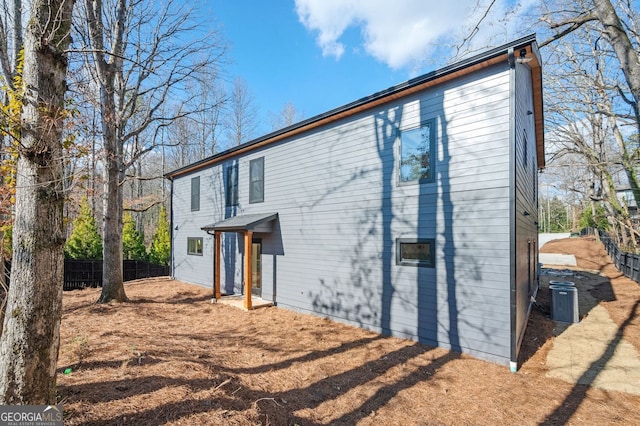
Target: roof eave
(417, 84)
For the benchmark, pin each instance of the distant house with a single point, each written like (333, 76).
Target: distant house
(411, 212)
(625, 196)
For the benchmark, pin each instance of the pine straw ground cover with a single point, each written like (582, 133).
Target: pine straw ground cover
(171, 357)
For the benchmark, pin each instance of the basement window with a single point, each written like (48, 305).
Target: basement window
(415, 252)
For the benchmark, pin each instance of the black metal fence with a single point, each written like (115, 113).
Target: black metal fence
(136, 269)
(80, 274)
(627, 263)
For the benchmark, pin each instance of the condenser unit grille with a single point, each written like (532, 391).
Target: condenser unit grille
(564, 303)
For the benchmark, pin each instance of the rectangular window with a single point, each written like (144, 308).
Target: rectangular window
(415, 252)
(195, 194)
(417, 149)
(256, 180)
(194, 246)
(231, 186)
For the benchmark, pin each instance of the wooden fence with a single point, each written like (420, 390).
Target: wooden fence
(80, 274)
(627, 263)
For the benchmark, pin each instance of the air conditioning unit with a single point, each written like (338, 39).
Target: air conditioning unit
(558, 284)
(564, 303)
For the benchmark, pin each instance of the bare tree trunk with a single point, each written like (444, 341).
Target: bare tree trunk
(4, 289)
(624, 49)
(112, 284)
(8, 63)
(632, 235)
(31, 337)
(106, 71)
(614, 22)
(91, 167)
(8, 70)
(139, 194)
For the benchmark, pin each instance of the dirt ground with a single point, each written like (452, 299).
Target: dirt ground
(172, 357)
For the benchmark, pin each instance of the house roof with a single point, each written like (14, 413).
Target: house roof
(525, 48)
(247, 222)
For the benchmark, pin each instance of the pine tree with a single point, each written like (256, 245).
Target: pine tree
(597, 220)
(85, 242)
(132, 240)
(160, 251)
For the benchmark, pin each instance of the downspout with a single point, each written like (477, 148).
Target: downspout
(513, 363)
(171, 261)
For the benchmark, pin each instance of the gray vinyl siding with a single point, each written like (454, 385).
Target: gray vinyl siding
(186, 224)
(526, 201)
(340, 210)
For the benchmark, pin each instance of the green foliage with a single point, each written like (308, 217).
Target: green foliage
(6, 232)
(160, 250)
(587, 219)
(554, 215)
(132, 240)
(10, 108)
(85, 242)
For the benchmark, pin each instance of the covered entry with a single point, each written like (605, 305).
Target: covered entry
(246, 225)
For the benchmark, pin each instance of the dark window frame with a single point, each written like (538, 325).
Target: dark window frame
(195, 251)
(256, 196)
(195, 195)
(231, 186)
(431, 123)
(431, 263)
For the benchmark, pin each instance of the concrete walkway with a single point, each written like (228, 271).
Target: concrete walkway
(591, 353)
(237, 300)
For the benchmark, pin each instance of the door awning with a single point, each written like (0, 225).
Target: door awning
(259, 222)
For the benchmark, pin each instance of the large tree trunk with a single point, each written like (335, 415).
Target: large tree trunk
(629, 59)
(107, 68)
(31, 337)
(112, 284)
(622, 46)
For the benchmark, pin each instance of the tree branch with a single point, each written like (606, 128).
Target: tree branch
(573, 24)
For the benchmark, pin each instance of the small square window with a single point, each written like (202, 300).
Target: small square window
(194, 246)
(417, 148)
(415, 252)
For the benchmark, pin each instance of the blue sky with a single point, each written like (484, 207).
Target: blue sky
(321, 54)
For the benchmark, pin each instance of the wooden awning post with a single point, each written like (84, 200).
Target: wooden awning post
(248, 236)
(216, 265)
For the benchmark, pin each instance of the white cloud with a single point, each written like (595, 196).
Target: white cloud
(400, 33)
